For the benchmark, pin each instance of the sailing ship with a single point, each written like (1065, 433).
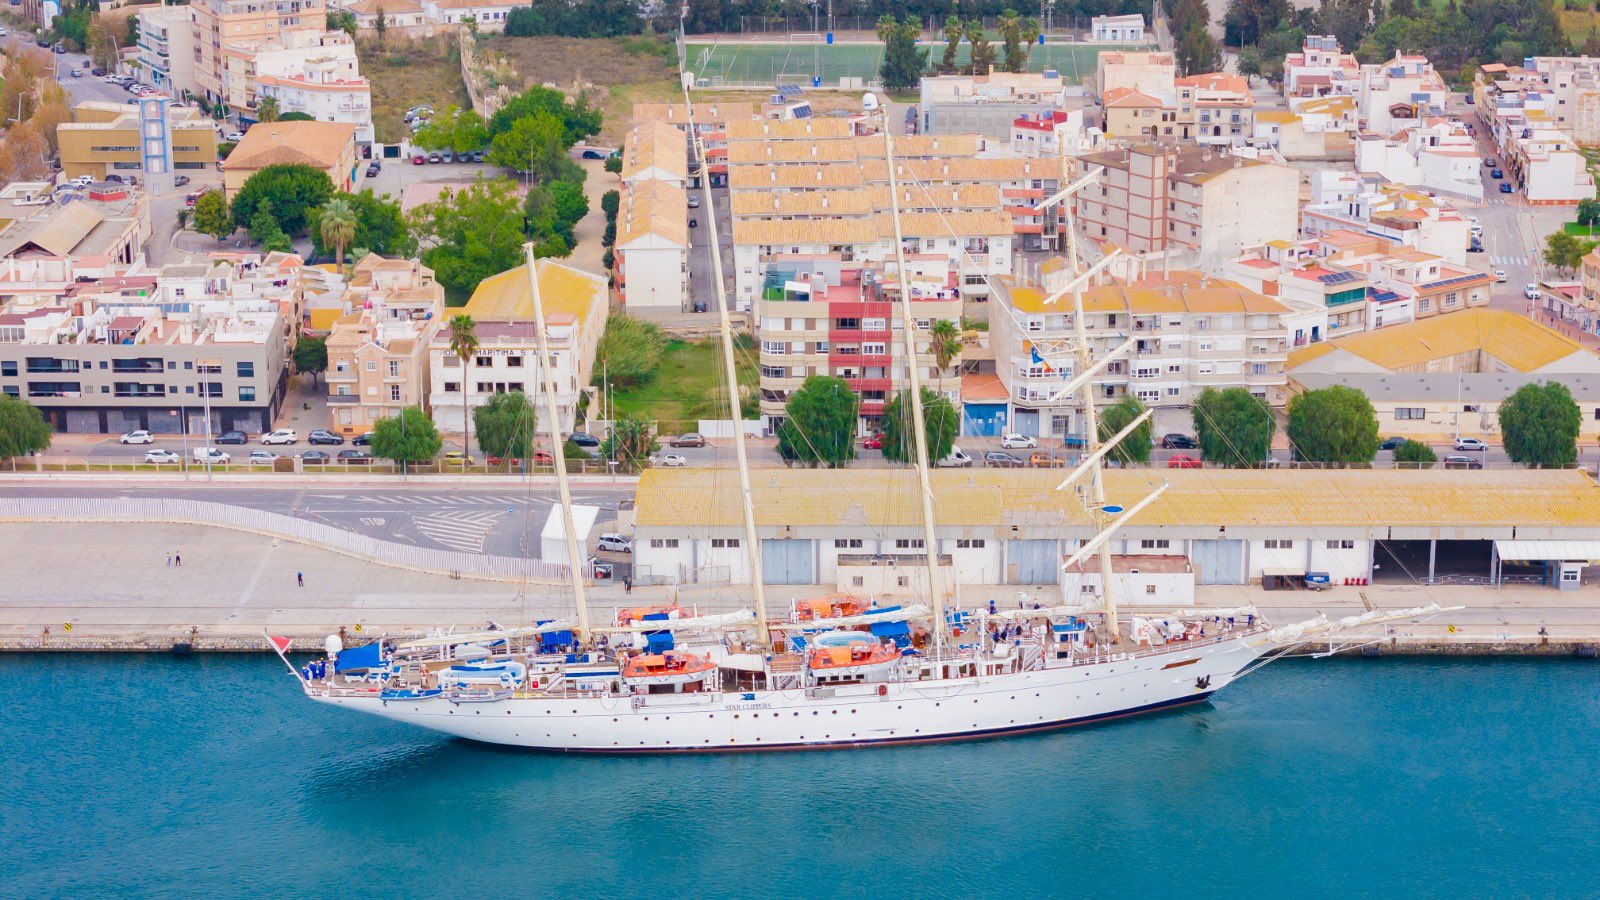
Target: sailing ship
(840, 671)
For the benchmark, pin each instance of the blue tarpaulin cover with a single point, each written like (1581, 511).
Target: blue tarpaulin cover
(359, 658)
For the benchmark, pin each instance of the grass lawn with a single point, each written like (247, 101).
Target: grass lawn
(688, 382)
(406, 73)
(1581, 230)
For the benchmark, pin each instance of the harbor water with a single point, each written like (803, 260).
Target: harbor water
(209, 775)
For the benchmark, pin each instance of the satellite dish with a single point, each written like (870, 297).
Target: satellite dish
(869, 101)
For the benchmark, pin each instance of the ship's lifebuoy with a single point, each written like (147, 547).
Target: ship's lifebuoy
(883, 690)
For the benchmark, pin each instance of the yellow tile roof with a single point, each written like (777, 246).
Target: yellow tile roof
(918, 146)
(1515, 340)
(991, 223)
(788, 129)
(653, 207)
(704, 113)
(818, 152)
(655, 145)
(1279, 116)
(805, 231)
(1180, 293)
(562, 290)
(793, 177)
(1197, 498)
(319, 144)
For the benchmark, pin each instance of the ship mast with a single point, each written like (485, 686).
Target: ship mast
(547, 376)
(908, 330)
(752, 542)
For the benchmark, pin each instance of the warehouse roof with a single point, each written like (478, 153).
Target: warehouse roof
(1517, 341)
(1212, 499)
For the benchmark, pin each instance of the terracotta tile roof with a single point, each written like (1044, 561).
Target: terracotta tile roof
(318, 144)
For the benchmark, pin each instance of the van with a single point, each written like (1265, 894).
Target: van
(210, 455)
(956, 459)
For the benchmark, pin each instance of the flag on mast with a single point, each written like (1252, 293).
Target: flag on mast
(1039, 360)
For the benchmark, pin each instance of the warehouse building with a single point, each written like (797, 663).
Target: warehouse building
(832, 527)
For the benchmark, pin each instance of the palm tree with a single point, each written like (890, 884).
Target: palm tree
(1030, 36)
(464, 344)
(944, 340)
(267, 110)
(338, 226)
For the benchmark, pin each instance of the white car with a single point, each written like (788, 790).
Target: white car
(1470, 444)
(281, 436)
(161, 457)
(233, 137)
(1018, 442)
(138, 437)
(262, 456)
(210, 455)
(1530, 291)
(616, 543)
(1500, 276)
(671, 461)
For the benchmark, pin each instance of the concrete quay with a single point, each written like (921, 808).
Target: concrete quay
(73, 586)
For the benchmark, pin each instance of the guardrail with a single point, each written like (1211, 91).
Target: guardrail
(120, 510)
(372, 465)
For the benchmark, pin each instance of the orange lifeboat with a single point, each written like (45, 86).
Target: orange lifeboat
(852, 661)
(671, 667)
(637, 613)
(832, 606)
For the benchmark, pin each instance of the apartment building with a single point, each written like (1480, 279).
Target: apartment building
(652, 246)
(108, 138)
(1195, 205)
(378, 353)
(328, 146)
(1439, 156)
(841, 318)
(1399, 214)
(167, 48)
(988, 104)
(655, 151)
(405, 18)
(1191, 332)
(1573, 86)
(101, 227)
(321, 78)
(1127, 29)
(242, 25)
(1320, 69)
(90, 371)
(575, 308)
(1134, 115)
(1400, 93)
(1583, 309)
(1061, 133)
(1216, 108)
(711, 120)
(487, 15)
(1314, 128)
(1147, 71)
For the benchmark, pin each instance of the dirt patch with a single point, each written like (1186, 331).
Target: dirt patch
(406, 73)
(613, 72)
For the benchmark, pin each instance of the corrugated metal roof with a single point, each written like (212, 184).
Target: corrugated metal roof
(1538, 551)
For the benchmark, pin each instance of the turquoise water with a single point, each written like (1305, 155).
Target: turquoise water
(144, 776)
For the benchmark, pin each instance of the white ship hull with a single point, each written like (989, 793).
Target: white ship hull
(855, 714)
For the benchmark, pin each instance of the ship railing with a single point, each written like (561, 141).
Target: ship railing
(1100, 657)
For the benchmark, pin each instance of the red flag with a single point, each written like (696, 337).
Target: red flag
(281, 644)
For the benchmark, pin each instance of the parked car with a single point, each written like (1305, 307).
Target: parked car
(694, 223)
(592, 153)
(872, 442)
(1505, 187)
(354, 456)
(1476, 246)
(1391, 443)
(1470, 444)
(313, 458)
(418, 159)
(137, 437)
(1018, 442)
(1530, 291)
(280, 436)
(999, 459)
(684, 440)
(77, 73)
(670, 460)
(233, 437)
(477, 156)
(321, 436)
(180, 180)
(694, 201)
(1462, 462)
(1490, 162)
(262, 456)
(373, 169)
(457, 456)
(445, 156)
(1500, 276)
(362, 440)
(1178, 442)
(210, 455)
(162, 457)
(1496, 173)
(233, 137)
(616, 543)
(58, 49)
(96, 72)
(1044, 459)
(957, 459)
(1184, 461)
(435, 158)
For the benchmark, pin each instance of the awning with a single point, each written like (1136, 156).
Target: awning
(1539, 551)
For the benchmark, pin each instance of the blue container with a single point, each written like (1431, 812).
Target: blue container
(816, 81)
(830, 38)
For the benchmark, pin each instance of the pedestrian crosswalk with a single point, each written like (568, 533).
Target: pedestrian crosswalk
(462, 530)
(432, 499)
(1503, 261)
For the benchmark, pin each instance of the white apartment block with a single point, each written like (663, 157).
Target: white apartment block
(1400, 93)
(486, 15)
(1191, 331)
(988, 104)
(1060, 133)
(1410, 218)
(1127, 29)
(1533, 130)
(1147, 71)
(166, 48)
(1320, 69)
(652, 246)
(322, 79)
(1439, 156)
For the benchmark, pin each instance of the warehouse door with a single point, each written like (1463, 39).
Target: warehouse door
(1218, 562)
(787, 562)
(1032, 562)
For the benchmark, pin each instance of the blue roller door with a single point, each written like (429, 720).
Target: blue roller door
(1033, 562)
(788, 562)
(1218, 562)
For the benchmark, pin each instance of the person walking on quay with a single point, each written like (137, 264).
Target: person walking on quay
(300, 578)
(177, 559)
(169, 560)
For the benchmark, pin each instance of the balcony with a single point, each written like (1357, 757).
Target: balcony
(860, 360)
(335, 399)
(869, 384)
(856, 335)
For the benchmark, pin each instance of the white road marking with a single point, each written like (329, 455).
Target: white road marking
(458, 530)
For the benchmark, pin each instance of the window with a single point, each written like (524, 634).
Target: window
(247, 370)
(247, 394)
(12, 390)
(1258, 368)
(514, 361)
(451, 361)
(1410, 412)
(970, 544)
(1149, 589)
(394, 368)
(908, 544)
(1161, 544)
(664, 543)
(1341, 545)
(1279, 544)
(9, 367)
(452, 387)
(724, 543)
(394, 392)
(847, 543)
(483, 362)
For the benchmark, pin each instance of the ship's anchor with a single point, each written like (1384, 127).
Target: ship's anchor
(1203, 682)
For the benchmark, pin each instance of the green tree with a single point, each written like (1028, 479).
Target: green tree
(1015, 54)
(613, 164)
(380, 226)
(1333, 425)
(506, 424)
(455, 130)
(532, 144)
(981, 59)
(264, 228)
(819, 424)
(1566, 252)
(464, 344)
(470, 234)
(341, 20)
(610, 202)
(1588, 211)
(1415, 455)
(310, 354)
(410, 437)
(297, 116)
(578, 119)
(631, 442)
(23, 429)
(1249, 61)
(1248, 21)
(629, 352)
(211, 215)
(1197, 52)
(939, 417)
(267, 109)
(570, 206)
(1540, 423)
(1233, 428)
(293, 190)
(336, 224)
(953, 32)
(944, 342)
(1135, 448)
(902, 62)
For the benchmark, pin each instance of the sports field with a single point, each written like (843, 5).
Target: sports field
(799, 60)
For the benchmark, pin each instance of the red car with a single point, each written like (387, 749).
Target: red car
(540, 458)
(873, 442)
(418, 159)
(1184, 461)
